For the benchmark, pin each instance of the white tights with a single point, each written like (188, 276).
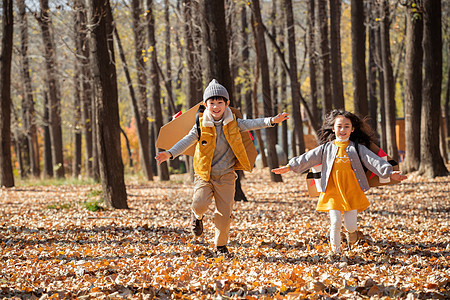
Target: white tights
(350, 218)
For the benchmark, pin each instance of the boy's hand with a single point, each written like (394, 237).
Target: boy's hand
(280, 118)
(162, 157)
(281, 170)
(396, 175)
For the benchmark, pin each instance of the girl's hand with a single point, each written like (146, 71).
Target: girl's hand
(162, 157)
(280, 118)
(281, 170)
(396, 175)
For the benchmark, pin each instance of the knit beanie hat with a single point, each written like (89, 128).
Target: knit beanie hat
(215, 89)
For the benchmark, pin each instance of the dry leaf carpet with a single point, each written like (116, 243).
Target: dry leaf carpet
(53, 247)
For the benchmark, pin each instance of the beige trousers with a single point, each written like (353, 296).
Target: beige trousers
(222, 188)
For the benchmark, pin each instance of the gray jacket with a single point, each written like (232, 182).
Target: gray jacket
(325, 154)
(223, 158)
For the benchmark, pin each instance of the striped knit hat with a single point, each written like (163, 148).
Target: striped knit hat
(215, 89)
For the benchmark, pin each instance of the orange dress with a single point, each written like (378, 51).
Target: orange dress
(343, 192)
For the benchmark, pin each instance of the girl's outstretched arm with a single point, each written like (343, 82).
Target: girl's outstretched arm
(281, 170)
(396, 175)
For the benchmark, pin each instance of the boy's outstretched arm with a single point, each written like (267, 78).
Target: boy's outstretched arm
(396, 175)
(162, 157)
(281, 170)
(280, 118)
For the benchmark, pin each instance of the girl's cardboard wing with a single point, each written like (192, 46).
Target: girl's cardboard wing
(176, 129)
(313, 177)
(373, 179)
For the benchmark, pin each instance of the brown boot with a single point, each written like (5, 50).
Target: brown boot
(352, 237)
(197, 226)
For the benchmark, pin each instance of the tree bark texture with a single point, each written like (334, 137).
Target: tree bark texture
(140, 103)
(313, 60)
(335, 43)
(389, 89)
(359, 58)
(413, 89)
(30, 116)
(54, 93)
(431, 162)
(327, 101)
(6, 172)
(265, 80)
(372, 72)
(295, 86)
(107, 121)
(163, 170)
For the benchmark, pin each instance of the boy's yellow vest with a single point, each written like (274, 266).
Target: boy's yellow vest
(207, 143)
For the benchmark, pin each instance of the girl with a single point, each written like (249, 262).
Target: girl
(343, 178)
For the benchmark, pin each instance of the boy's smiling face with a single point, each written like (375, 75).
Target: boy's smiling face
(216, 107)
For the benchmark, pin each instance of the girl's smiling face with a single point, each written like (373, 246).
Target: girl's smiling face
(342, 127)
(216, 107)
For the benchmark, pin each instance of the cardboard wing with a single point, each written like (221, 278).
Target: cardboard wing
(313, 177)
(373, 179)
(176, 129)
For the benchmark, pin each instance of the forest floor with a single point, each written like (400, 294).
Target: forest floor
(52, 246)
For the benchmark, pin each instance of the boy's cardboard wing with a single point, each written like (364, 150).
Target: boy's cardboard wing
(176, 129)
(313, 177)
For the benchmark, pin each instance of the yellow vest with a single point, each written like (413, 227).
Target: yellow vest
(204, 149)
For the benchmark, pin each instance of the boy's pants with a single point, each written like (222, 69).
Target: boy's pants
(222, 188)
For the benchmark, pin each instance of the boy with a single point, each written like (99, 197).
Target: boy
(219, 151)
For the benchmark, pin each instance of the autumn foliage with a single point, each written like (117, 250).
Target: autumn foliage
(52, 246)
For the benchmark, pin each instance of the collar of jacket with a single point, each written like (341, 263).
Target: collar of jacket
(208, 120)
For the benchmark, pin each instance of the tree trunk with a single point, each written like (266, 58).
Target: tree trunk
(245, 63)
(372, 73)
(48, 160)
(6, 171)
(76, 161)
(83, 56)
(54, 93)
(295, 86)
(413, 89)
(140, 105)
(265, 80)
(313, 60)
(78, 79)
(107, 122)
(335, 43)
(283, 84)
(163, 170)
(191, 85)
(275, 84)
(431, 162)
(30, 117)
(327, 103)
(447, 109)
(168, 58)
(359, 58)
(389, 89)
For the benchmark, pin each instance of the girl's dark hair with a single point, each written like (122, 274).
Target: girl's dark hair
(363, 133)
